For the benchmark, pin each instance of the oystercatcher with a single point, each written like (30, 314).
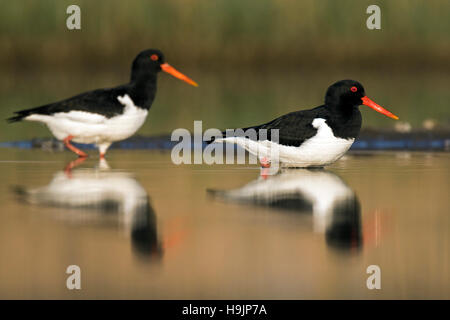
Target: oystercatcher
(103, 116)
(315, 137)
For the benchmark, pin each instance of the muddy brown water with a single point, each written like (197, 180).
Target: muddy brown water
(145, 228)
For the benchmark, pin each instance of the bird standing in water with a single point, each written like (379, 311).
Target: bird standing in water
(315, 137)
(104, 116)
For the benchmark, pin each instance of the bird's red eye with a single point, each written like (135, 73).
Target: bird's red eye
(154, 57)
(354, 89)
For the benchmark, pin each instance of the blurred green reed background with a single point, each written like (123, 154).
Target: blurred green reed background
(225, 32)
(254, 60)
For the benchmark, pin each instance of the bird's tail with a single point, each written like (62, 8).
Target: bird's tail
(233, 133)
(18, 117)
(22, 114)
(239, 132)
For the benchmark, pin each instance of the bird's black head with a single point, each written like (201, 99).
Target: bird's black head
(348, 94)
(345, 93)
(149, 62)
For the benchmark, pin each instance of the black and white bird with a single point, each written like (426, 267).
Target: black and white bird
(104, 116)
(311, 138)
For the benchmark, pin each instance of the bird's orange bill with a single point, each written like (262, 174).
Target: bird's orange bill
(367, 102)
(177, 74)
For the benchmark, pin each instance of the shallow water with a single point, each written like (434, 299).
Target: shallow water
(146, 228)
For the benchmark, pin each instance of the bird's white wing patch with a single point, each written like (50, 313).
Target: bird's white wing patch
(126, 100)
(318, 122)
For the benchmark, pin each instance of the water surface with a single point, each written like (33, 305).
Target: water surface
(145, 228)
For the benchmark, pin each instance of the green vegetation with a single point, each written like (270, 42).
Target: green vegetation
(219, 33)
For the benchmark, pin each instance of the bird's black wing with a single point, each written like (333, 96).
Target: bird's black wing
(293, 128)
(102, 101)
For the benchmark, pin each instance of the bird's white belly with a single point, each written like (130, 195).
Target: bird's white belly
(316, 152)
(86, 127)
(320, 150)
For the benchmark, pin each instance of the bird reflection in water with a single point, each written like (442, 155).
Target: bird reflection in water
(335, 207)
(100, 195)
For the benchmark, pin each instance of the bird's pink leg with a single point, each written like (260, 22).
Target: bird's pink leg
(67, 143)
